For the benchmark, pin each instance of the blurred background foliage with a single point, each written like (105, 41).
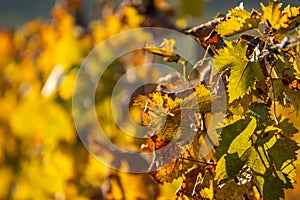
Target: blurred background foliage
(42, 44)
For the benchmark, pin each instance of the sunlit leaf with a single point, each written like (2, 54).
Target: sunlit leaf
(273, 14)
(239, 20)
(286, 96)
(166, 49)
(243, 71)
(51, 127)
(281, 21)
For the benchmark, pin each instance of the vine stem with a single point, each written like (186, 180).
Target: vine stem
(197, 161)
(199, 63)
(184, 72)
(259, 32)
(273, 91)
(274, 102)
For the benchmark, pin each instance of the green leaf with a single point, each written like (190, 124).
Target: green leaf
(256, 161)
(236, 137)
(234, 54)
(243, 73)
(243, 141)
(285, 96)
(241, 106)
(288, 129)
(282, 151)
(242, 79)
(260, 111)
(283, 67)
(231, 190)
(239, 21)
(273, 165)
(228, 166)
(272, 183)
(272, 188)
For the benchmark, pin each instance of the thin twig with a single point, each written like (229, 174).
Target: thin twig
(199, 63)
(197, 161)
(274, 100)
(184, 72)
(259, 32)
(273, 90)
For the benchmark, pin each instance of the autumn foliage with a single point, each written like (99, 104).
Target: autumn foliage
(254, 59)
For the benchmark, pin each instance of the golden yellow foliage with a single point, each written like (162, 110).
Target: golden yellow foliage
(41, 156)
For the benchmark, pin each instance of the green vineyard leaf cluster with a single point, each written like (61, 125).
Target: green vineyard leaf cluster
(255, 156)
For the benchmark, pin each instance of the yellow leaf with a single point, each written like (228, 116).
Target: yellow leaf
(166, 50)
(291, 11)
(7, 175)
(133, 19)
(208, 193)
(275, 17)
(51, 175)
(68, 51)
(7, 48)
(239, 21)
(94, 172)
(66, 88)
(41, 121)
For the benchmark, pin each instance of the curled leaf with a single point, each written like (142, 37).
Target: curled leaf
(166, 50)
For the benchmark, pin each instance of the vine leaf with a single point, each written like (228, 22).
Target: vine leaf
(235, 142)
(166, 115)
(273, 15)
(243, 142)
(228, 166)
(286, 96)
(231, 190)
(292, 12)
(284, 68)
(271, 184)
(287, 129)
(271, 159)
(232, 133)
(189, 182)
(283, 154)
(183, 158)
(256, 161)
(166, 49)
(283, 21)
(199, 101)
(242, 79)
(232, 54)
(239, 20)
(272, 162)
(175, 145)
(260, 111)
(243, 73)
(161, 112)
